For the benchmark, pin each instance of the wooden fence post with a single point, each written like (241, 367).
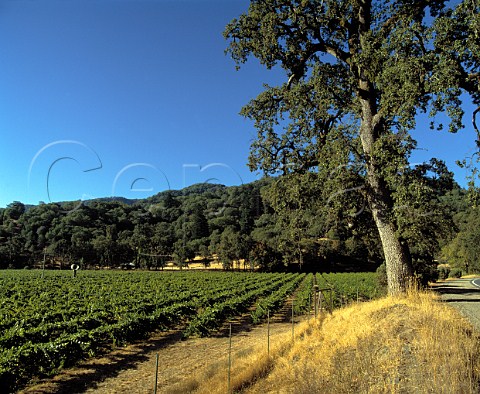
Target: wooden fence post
(268, 333)
(293, 322)
(156, 375)
(230, 359)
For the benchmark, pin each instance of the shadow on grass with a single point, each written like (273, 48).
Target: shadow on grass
(90, 373)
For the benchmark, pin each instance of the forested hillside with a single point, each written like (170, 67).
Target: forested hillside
(275, 224)
(463, 250)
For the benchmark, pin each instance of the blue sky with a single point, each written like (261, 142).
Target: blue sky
(129, 98)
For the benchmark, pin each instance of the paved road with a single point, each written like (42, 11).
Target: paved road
(463, 294)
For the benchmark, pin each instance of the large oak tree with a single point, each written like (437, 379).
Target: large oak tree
(358, 72)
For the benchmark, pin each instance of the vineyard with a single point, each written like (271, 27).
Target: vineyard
(52, 322)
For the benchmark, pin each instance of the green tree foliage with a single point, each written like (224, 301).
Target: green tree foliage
(357, 74)
(463, 251)
(173, 225)
(14, 210)
(268, 224)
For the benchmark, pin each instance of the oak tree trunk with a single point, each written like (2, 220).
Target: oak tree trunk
(397, 256)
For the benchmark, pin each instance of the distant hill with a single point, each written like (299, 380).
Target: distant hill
(127, 201)
(198, 188)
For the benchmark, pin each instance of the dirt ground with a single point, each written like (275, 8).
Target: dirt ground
(131, 369)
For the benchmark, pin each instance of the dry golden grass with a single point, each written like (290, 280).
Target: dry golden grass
(413, 344)
(248, 365)
(470, 276)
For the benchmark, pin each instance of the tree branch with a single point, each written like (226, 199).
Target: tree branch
(298, 70)
(474, 122)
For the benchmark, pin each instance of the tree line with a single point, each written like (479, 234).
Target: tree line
(275, 224)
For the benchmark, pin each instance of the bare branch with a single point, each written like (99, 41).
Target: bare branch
(290, 80)
(474, 122)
